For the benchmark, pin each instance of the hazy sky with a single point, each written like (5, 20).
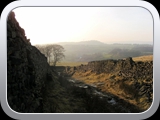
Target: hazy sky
(73, 24)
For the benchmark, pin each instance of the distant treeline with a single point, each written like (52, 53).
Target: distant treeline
(95, 50)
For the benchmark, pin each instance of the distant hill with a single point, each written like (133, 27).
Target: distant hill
(91, 50)
(89, 42)
(123, 53)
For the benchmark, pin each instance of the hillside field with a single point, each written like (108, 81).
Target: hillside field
(71, 64)
(143, 58)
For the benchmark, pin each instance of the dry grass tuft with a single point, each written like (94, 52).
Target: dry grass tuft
(144, 58)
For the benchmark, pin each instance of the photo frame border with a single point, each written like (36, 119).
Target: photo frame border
(80, 3)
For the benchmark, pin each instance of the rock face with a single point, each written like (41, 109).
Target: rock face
(27, 70)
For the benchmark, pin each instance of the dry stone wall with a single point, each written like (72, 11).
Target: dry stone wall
(127, 68)
(27, 70)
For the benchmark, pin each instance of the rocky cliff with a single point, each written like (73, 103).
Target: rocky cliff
(27, 71)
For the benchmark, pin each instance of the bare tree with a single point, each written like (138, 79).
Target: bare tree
(46, 50)
(58, 53)
(49, 50)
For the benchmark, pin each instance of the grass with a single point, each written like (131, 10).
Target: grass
(143, 58)
(114, 84)
(71, 64)
(58, 99)
(111, 83)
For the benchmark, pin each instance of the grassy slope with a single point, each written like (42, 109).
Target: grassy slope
(58, 99)
(141, 58)
(108, 83)
(61, 100)
(144, 58)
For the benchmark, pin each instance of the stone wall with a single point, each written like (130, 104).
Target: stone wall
(27, 70)
(127, 68)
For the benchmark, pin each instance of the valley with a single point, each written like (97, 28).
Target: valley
(93, 77)
(126, 79)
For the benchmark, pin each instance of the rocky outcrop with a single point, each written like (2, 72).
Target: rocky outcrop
(27, 71)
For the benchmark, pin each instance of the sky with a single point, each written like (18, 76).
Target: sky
(44, 25)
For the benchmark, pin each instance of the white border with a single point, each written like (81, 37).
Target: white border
(61, 116)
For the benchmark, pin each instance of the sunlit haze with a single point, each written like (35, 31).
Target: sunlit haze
(73, 24)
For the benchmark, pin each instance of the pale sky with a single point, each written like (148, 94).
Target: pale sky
(45, 25)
